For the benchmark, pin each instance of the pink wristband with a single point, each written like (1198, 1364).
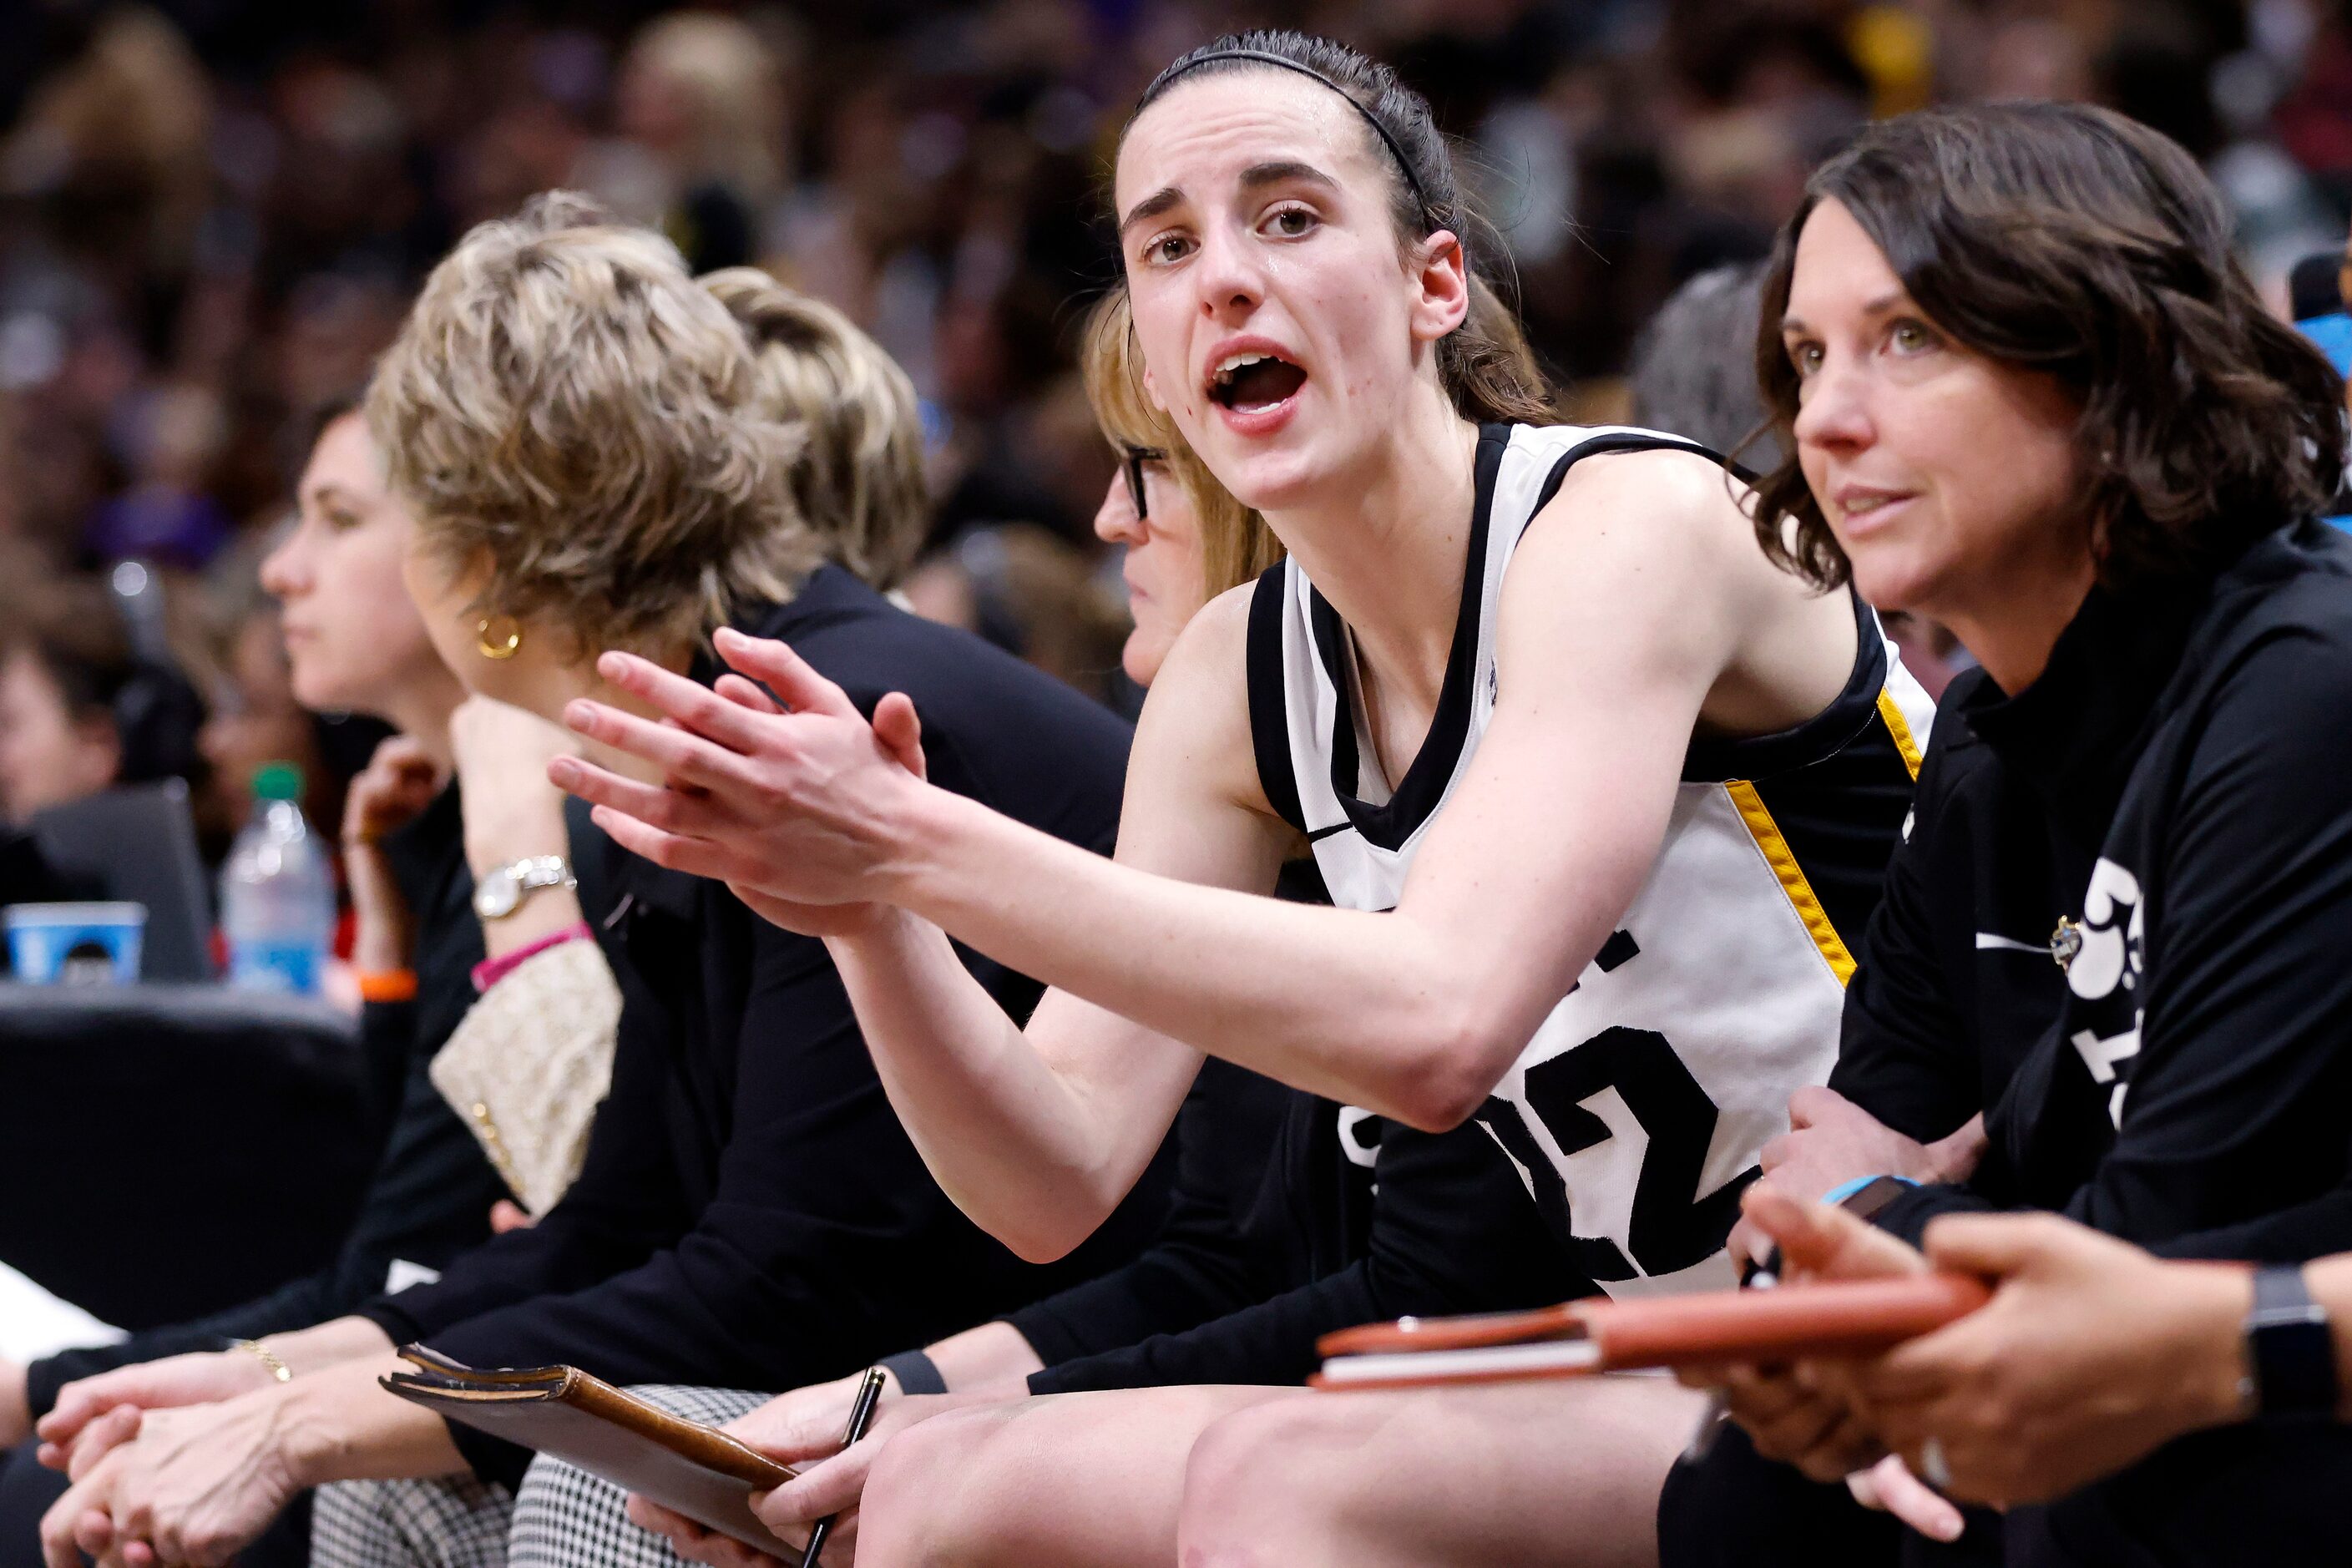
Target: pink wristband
(490, 971)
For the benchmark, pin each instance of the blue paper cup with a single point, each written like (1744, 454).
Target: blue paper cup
(74, 944)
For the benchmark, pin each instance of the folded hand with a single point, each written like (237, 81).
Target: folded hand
(196, 1486)
(198, 1377)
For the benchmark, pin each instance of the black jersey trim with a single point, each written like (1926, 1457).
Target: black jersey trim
(1620, 441)
(1268, 703)
(1849, 713)
(1714, 760)
(1423, 785)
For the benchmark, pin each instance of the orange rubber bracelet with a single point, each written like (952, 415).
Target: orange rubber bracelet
(388, 986)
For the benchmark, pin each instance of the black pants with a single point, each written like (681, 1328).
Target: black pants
(26, 1490)
(1736, 1510)
(2273, 1493)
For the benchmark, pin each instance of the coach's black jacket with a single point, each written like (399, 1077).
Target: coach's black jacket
(2178, 786)
(752, 1214)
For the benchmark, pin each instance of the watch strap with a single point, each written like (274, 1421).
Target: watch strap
(916, 1372)
(2290, 1348)
(1864, 1196)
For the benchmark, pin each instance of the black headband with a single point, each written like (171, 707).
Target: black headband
(1267, 58)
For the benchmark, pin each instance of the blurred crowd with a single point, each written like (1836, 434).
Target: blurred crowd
(212, 213)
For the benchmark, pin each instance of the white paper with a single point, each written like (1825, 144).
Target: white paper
(34, 1323)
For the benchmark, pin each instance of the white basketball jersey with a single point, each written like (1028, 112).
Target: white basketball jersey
(1637, 1110)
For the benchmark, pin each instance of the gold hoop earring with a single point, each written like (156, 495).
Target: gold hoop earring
(499, 645)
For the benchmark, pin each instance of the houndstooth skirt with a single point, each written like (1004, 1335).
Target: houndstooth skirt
(561, 1516)
(565, 1516)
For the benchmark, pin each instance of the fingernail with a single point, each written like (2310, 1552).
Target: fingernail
(578, 712)
(1949, 1529)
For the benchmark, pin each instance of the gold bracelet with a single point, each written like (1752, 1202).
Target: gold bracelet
(278, 1369)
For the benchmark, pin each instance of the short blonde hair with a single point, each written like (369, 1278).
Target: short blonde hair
(859, 483)
(1236, 546)
(566, 403)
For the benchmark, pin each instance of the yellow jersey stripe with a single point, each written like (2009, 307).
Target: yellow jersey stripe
(1900, 728)
(1783, 861)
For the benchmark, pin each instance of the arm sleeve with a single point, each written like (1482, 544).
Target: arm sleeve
(2245, 1068)
(534, 1054)
(824, 1244)
(387, 1042)
(428, 1201)
(1453, 1230)
(1903, 1054)
(627, 1203)
(1199, 1268)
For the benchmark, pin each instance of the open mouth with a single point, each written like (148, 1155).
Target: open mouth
(1246, 382)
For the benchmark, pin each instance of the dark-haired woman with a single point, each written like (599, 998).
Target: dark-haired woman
(2030, 394)
(1596, 785)
(79, 710)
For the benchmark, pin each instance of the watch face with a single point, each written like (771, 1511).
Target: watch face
(497, 895)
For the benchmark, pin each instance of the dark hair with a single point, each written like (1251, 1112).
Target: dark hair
(1692, 373)
(1483, 363)
(74, 631)
(2072, 241)
(76, 636)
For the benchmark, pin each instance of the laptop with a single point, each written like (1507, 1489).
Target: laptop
(138, 844)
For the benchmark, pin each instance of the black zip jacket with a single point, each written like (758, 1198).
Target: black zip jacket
(429, 1199)
(752, 1214)
(2178, 786)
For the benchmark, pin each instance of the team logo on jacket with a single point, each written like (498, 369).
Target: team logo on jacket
(2104, 974)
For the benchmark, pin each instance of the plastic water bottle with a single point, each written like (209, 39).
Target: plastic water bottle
(277, 895)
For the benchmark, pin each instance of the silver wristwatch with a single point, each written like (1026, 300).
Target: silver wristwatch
(502, 888)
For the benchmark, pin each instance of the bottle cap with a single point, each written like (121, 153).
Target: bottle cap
(278, 781)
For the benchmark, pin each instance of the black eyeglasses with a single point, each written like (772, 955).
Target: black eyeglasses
(1131, 463)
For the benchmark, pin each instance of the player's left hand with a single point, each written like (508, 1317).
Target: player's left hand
(800, 803)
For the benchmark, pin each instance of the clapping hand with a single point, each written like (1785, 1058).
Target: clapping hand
(801, 806)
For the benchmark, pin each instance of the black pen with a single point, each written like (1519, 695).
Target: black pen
(861, 1417)
(1761, 1274)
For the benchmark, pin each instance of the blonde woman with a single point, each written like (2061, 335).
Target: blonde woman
(582, 435)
